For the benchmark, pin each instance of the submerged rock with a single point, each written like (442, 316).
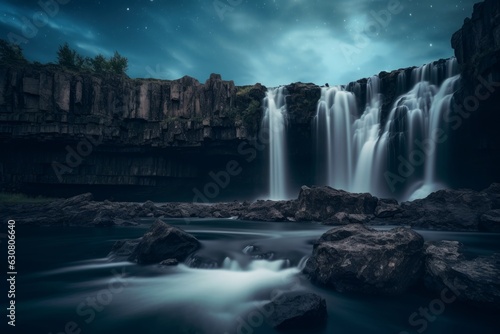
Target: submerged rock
(296, 310)
(169, 263)
(201, 262)
(123, 249)
(447, 271)
(164, 241)
(359, 259)
(161, 242)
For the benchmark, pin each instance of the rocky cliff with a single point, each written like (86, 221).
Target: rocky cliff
(63, 133)
(475, 139)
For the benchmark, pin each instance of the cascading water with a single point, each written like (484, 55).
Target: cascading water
(274, 122)
(333, 122)
(364, 155)
(440, 106)
(370, 147)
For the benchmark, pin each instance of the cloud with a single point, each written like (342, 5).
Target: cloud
(69, 28)
(94, 49)
(273, 42)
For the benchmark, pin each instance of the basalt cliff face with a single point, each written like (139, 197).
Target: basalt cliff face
(64, 133)
(475, 139)
(61, 130)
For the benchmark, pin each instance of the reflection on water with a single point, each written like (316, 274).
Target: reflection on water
(67, 279)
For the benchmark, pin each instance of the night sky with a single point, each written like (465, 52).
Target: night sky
(273, 42)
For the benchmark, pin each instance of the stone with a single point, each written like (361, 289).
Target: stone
(276, 211)
(386, 210)
(296, 310)
(355, 258)
(169, 263)
(123, 249)
(340, 218)
(202, 262)
(490, 221)
(457, 210)
(323, 203)
(493, 192)
(357, 218)
(448, 271)
(149, 206)
(73, 201)
(164, 241)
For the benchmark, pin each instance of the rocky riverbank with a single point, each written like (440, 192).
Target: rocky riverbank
(452, 210)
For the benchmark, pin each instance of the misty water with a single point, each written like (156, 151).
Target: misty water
(356, 148)
(274, 123)
(64, 271)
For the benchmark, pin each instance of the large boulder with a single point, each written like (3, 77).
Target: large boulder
(448, 271)
(297, 310)
(359, 259)
(322, 203)
(163, 242)
(458, 210)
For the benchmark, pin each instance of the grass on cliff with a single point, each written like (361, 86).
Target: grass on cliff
(22, 198)
(244, 90)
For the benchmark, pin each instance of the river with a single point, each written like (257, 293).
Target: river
(66, 284)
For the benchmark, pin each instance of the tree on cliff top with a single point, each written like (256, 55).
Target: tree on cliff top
(100, 64)
(11, 53)
(118, 64)
(69, 58)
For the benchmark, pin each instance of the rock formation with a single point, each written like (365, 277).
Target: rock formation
(297, 310)
(355, 258)
(450, 273)
(65, 133)
(454, 210)
(474, 139)
(161, 244)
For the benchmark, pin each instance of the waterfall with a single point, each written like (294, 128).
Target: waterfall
(351, 143)
(334, 122)
(274, 122)
(369, 147)
(440, 106)
(360, 151)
